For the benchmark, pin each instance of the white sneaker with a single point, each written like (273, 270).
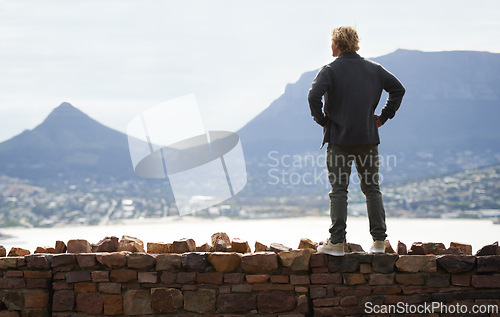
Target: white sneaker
(335, 249)
(378, 246)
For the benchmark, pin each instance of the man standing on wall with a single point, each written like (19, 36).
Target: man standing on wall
(351, 87)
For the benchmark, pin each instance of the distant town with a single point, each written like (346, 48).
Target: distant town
(469, 194)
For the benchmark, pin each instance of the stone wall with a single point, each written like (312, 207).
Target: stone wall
(288, 283)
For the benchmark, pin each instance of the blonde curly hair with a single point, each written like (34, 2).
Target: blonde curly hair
(346, 39)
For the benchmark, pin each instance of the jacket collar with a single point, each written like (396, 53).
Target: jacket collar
(349, 55)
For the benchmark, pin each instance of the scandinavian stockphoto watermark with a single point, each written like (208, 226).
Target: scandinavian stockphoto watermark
(309, 169)
(204, 168)
(429, 308)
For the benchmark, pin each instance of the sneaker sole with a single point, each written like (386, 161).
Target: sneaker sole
(377, 250)
(334, 253)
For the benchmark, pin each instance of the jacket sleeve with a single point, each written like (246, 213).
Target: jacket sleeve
(396, 91)
(318, 88)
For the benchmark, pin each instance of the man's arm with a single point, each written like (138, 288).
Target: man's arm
(318, 89)
(396, 91)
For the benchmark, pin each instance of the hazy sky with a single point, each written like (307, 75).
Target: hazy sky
(114, 59)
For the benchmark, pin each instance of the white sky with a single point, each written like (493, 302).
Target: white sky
(114, 59)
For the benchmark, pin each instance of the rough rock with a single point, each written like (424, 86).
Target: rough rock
(50, 250)
(113, 260)
(236, 303)
(417, 249)
(18, 252)
(490, 249)
(141, 261)
(296, 260)
(278, 247)
(194, 262)
(453, 250)
(464, 247)
(130, 244)
(201, 301)
(220, 242)
(259, 247)
(137, 302)
(60, 247)
(169, 262)
(307, 244)
(78, 246)
(275, 301)
(456, 263)
(488, 264)
(204, 248)
(183, 246)
(224, 261)
(159, 247)
(108, 244)
(352, 247)
(262, 262)
(240, 246)
(401, 249)
(416, 263)
(166, 300)
(3, 251)
(388, 247)
(433, 248)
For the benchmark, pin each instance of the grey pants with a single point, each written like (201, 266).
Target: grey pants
(339, 160)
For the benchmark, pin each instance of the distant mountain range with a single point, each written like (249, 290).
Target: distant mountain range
(447, 122)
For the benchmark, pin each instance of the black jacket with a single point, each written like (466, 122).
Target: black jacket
(351, 87)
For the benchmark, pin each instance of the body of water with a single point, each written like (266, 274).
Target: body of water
(287, 231)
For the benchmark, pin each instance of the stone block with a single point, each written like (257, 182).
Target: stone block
(108, 244)
(38, 261)
(410, 279)
(63, 300)
(317, 292)
(388, 247)
(386, 290)
(236, 303)
(460, 279)
(275, 301)
(194, 261)
(488, 264)
(278, 247)
(112, 260)
(384, 263)
(209, 278)
(416, 248)
(159, 248)
(240, 246)
(148, 277)
(465, 248)
(279, 279)
(78, 276)
(3, 251)
(85, 288)
(401, 248)
(137, 302)
(257, 278)
(456, 263)
(326, 278)
(307, 244)
(78, 246)
(168, 262)
(13, 300)
(18, 252)
(166, 300)
(438, 280)
(38, 274)
(201, 301)
(353, 278)
(130, 244)
(416, 263)
(66, 261)
(433, 248)
(86, 261)
(36, 299)
(381, 279)
(100, 276)
(234, 278)
(141, 261)
(260, 247)
(220, 241)
(296, 260)
(485, 281)
(318, 260)
(300, 279)
(242, 288)
(60, 247)
(168, 278)
(204, 248)
(344, 264)
(110, 288)
(490, 249)
(224, 261)
(265, 262)
(353, 247)
(123, 275)
(113, 305)
(186, 277)
(183, 246)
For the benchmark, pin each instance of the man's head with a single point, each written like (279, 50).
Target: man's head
(345, 39)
